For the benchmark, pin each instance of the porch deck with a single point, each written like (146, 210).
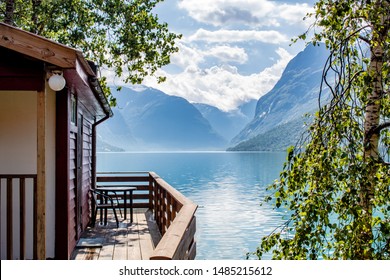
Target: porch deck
(135, 241)
(163, 227)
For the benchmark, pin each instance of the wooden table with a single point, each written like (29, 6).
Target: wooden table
(120, 188)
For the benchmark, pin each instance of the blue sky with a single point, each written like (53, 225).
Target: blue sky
(232, 50)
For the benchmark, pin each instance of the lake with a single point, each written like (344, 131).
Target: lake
(227, 186)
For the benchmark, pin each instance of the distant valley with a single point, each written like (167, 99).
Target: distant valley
(146, 119)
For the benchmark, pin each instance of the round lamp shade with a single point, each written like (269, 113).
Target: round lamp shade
(57, 82)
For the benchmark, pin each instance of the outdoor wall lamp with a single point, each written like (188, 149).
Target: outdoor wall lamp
(56, 81)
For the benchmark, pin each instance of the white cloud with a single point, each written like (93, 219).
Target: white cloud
(191, 57)
(228, 54)
(247, 12)
(223, 35)
(222, 86)
(210, 64)
(187, 56)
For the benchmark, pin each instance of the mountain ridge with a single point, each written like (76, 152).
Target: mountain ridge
(153, 120)
(294, 95)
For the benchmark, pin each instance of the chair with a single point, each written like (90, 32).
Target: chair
(103, 202)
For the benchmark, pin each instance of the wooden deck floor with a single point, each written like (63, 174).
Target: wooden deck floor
(134, 241)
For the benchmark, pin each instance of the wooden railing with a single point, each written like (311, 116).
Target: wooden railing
(175, 217)
(141, 197)
(15, 189)
(173, 212)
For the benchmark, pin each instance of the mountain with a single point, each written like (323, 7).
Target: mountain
(283, 108)
(148, 119)
(275, 139)
(228, 124)
(105, 147)
(115, 134)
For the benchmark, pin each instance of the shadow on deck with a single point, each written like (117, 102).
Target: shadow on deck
(135, 241)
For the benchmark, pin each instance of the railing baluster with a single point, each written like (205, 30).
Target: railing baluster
(164, 210)
(22, 216)
(16, 184)
(169, 211)
(161, 209)
(10, 234)
(35, 220)
(151, 190)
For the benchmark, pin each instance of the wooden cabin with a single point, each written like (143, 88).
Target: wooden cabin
(47, 145)
(48, 156)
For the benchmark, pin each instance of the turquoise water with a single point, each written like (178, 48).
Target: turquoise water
(227, 186)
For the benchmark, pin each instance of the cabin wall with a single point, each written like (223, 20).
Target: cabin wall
(18, 132)
(18, 155)
(80, 174)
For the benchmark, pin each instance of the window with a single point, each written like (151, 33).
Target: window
(73, 113)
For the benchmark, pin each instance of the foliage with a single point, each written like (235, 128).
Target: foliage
(123, 35)
(335, 182)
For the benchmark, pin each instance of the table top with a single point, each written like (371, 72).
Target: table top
(115, 188)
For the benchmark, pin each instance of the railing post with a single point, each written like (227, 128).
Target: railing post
(169, 209)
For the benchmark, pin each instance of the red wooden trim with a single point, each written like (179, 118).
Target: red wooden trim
(11, 176)
(62, 174)
(28, 84)
(19, 73)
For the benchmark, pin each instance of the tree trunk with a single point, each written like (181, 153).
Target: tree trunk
(34, 18)
(371, 153)
(9, 12)
(371, 131)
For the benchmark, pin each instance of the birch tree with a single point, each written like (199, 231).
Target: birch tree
(335, 183)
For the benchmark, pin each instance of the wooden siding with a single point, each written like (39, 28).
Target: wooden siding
(72, 191)
(87, 171)
(78, 181)
(78, 222)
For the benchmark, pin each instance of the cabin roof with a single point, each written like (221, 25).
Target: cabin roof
(79, 75)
